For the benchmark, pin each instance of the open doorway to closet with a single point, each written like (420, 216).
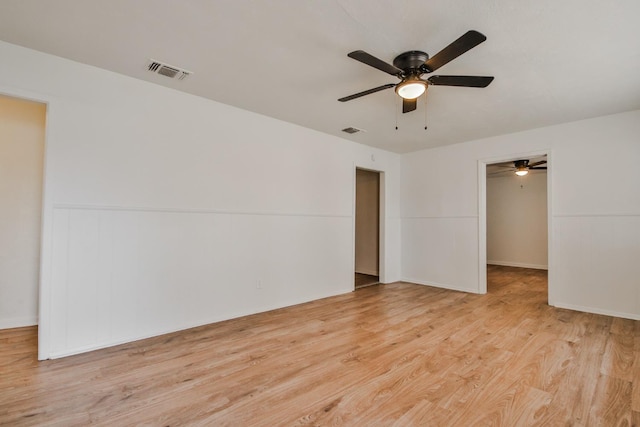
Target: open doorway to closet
(22, 135)
(367, 228)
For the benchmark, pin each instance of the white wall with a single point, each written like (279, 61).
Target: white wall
(595, 212)
(22, 125)
(164, 210)
(517, 220)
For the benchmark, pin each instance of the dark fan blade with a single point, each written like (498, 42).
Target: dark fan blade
(366, 92)
(465, 81)
(409, 105)
(467, 41)
(540, 168)
(372, 61)
(541, 162)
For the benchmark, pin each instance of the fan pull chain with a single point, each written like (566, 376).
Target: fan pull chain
(396, 110)
(425, 111)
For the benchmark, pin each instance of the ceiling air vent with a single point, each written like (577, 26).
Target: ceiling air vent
(167, 70)
(351, 130)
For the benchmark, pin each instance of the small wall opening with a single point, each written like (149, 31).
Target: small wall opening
(367, 228)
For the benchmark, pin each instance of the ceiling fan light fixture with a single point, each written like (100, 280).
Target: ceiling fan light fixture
(411, 88)
(522, 167)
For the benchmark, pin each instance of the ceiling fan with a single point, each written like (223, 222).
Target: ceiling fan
(410, 66)
(521, 167)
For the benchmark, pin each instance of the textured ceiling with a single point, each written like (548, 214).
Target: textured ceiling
(553, 61)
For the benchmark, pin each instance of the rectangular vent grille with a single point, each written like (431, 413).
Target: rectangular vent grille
(351, 130)
(167, 70)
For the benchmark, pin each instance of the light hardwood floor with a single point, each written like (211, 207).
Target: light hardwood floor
(397, 354)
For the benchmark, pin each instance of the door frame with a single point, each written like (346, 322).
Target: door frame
(381, 223)
(482, 217)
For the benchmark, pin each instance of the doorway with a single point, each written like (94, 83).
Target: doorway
(515, 220)
(22, 136)
(367, 228)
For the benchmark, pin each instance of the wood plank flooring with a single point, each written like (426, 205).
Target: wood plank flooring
(391, 355)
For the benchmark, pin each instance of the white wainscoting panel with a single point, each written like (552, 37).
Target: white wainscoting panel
(442, 251)
(596, 265)
(125, 274)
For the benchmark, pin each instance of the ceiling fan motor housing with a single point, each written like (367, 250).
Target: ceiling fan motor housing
(411, 62)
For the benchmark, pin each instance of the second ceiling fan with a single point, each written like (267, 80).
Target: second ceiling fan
(520, 167)
(410, 66)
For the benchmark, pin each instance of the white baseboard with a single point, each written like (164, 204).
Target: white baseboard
(18, 322)
(518, 264)
(439, 285)
(612, 313)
